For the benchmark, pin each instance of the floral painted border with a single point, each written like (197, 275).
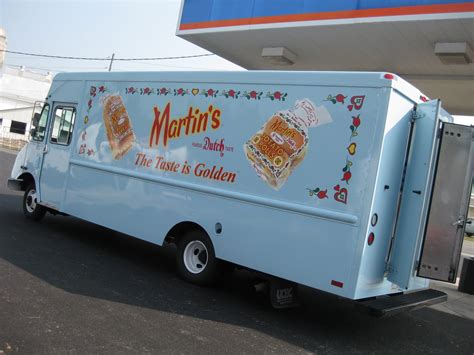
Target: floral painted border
(209, 92)
(341, 193)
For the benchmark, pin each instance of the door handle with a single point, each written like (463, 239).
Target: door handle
(459, 222)
(45, 149)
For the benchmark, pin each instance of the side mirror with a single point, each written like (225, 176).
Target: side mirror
(32, 132)
(36, 119)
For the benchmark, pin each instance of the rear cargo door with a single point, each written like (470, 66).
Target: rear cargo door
(449, 205)
(415, 193)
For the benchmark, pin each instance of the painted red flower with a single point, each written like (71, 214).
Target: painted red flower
(180, 91)
(89, 103)
(210, 92)
(163, 91)
(131, 89)
(93, 90)
(231, 93)
(340, 98)
(253, 94)
(356, 121)
(322, 194)
(347, 176)
(277, 95)
(146, 91)
(102, 88)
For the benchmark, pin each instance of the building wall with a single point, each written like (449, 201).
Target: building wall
(18, 115)
(19, 90)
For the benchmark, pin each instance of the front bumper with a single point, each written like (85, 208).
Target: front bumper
(15, 184)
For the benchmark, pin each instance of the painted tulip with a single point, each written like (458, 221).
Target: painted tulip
(322, 194)
(347, 176)
(340, 98)
(356, 121)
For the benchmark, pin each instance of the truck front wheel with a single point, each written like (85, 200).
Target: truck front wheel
(196, 261)
(31, 208)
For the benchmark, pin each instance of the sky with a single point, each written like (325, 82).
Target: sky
(98, 28)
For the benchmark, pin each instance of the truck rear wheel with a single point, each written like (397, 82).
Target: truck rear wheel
(196, 261)
(31, 208)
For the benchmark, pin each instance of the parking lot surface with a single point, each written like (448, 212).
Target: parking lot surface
(69, 286)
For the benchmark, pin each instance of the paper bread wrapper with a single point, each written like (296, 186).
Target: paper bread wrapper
(118, 125)
(281, 144)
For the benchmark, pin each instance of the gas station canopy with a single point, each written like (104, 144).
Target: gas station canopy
(427, 42)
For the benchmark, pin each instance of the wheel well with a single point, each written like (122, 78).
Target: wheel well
(27, 180)
(180, 229)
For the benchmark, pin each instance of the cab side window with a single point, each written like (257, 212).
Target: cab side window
(63, 125)
(39, 123)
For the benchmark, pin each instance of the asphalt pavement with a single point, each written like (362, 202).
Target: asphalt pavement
(69, 286)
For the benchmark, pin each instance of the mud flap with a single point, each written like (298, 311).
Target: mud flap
(283, 293)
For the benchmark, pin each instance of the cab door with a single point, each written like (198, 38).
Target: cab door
(37, 144)
(56, 155)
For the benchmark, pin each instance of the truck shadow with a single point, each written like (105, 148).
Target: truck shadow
(86, 259)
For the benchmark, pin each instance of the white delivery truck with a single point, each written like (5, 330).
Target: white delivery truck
(350, 183)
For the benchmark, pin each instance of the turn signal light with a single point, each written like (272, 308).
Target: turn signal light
(371, 239)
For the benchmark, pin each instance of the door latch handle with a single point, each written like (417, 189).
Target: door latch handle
(460, 222)
(45, 149)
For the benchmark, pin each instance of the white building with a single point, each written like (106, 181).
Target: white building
(19, 90)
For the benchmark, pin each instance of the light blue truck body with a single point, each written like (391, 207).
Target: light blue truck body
(187, 163)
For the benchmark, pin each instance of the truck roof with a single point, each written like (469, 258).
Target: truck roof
(320, 78)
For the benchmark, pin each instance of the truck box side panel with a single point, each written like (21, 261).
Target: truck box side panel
(187, 161)
(279, 242)
(383, 213)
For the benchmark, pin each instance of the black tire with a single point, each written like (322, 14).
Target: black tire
(31, 208)
(196, 260)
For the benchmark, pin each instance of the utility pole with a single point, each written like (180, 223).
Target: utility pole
(111, 61)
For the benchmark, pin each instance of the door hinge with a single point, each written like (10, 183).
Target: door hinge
(416, 115)
(416, 265)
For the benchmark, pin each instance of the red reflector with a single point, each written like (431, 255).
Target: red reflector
(389, 76)
(423, 98)
(371, 238)
(337, 283)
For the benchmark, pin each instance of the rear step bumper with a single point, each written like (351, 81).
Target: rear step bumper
(390, 305)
